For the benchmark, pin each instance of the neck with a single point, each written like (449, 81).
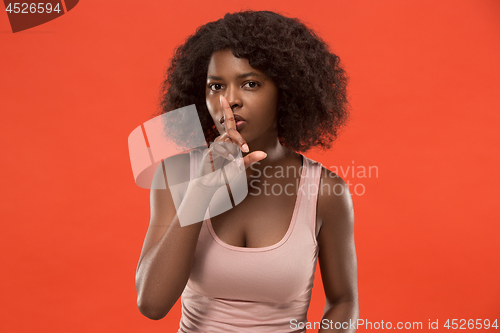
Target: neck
(276, 152)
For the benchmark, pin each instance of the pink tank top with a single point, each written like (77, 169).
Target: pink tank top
(267, 289)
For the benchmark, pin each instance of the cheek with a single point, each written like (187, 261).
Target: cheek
(271, 107)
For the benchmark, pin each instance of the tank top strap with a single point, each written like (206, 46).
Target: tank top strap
(309, 191)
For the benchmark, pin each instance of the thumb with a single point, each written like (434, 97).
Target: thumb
(254, 157)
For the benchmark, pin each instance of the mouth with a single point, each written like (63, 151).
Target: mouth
(239, 120)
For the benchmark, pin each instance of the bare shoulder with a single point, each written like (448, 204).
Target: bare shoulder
(171, 171)
(335, 208)
(337, 251)
(174, 169)
(179, 158)
(177, 168)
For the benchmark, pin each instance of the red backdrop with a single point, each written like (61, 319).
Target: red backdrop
(422, 89)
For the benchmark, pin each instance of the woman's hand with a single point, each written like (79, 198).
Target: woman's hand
(232, 135)
(225, 150)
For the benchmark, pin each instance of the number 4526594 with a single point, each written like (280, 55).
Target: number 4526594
(463, 324)
(32, 8)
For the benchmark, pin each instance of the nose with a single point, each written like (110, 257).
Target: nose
(233, 97)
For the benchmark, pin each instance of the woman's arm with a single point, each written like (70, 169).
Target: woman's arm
(168, 251)
(337, 253)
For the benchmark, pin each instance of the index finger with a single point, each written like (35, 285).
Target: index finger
(230, 124)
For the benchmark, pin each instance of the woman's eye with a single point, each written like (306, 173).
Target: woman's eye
(215, 86)
(251, 84)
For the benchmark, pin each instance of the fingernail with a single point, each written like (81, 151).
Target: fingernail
(245, 148)
(231, 157)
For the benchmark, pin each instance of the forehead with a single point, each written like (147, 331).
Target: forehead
(224, 63)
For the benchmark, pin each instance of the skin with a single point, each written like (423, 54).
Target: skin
(249, 93)
(234, 87)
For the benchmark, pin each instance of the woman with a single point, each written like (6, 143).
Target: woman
(266, 84)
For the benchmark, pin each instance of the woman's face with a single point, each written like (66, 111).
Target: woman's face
(251, 94)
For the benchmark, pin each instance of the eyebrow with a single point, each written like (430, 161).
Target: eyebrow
(241, 76)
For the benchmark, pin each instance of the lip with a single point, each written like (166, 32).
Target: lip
(239, 125)
(237, 118)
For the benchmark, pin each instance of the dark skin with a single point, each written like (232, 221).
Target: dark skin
(234, 87)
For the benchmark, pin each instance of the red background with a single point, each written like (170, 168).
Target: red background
(423, 80)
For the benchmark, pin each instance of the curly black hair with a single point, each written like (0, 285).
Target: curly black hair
(312, 100)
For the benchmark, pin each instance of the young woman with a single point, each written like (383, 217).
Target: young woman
(265, 84)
